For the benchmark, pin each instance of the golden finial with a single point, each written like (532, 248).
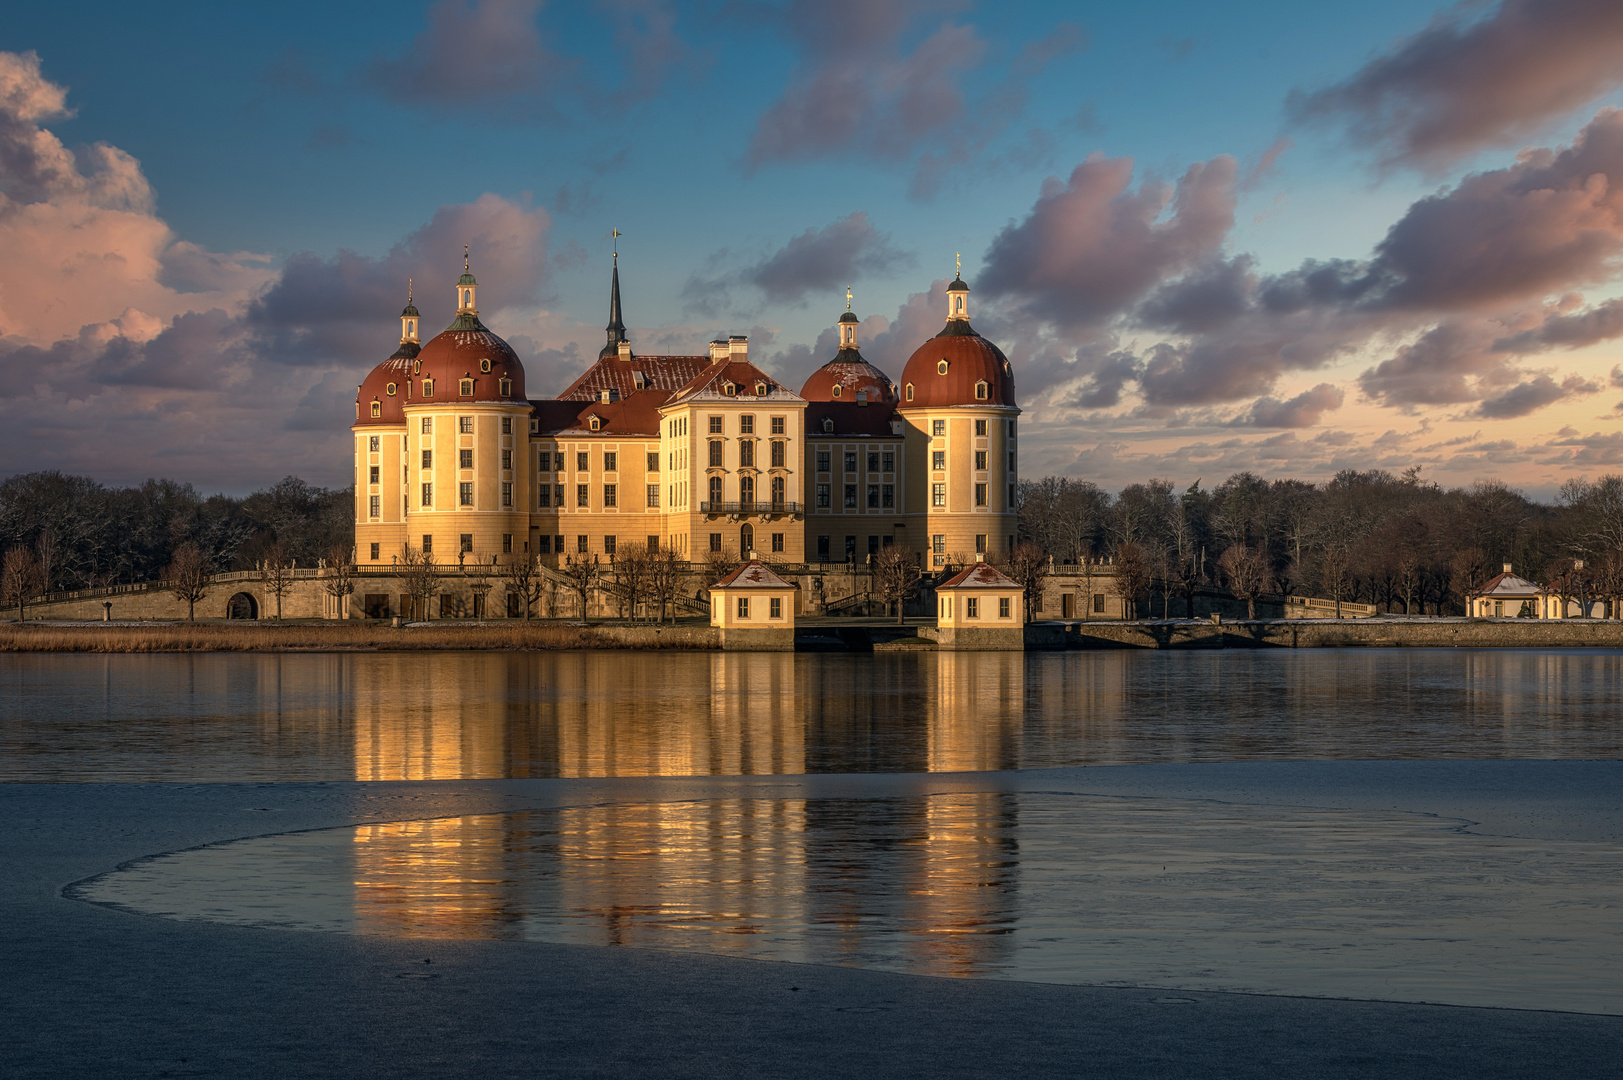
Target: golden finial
(464, 258)
(848, 298)
(408, 290)
(615, 235)
(957, 265)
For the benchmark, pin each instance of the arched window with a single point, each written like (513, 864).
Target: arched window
(390, 389)
(507, 387)
(377, 409)
(729, 389)
(715, 491)
(595, 424)
(958, 304)
(746, 489)
(777, 490)
(941, 368)
(760, 389)
(828, 426)
(910, 391)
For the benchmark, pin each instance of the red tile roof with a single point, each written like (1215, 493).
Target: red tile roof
(753, 574)
(668, 373)
(979, 576)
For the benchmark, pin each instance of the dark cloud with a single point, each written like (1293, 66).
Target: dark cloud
(1466, 82)
(1599, 323)
(1449, 363)
(825, 259)
(1533, 395)
(1103, 387)
(1302, 411)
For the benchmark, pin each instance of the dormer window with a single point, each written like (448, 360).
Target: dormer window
(377, 409)
(729, 389)
(941, 368)
(981, 390)
(465, 388)
(760, 389)
(506, 387)
(595, 423)
(428, 387)
(828, 426)
(484, 365)
(909, 391)
(390, 389)
(836, 390)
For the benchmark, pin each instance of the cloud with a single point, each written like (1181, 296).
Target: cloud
(1533, 395)
(825, 259)
(1599, 323)
(1467, 82)
(1302, 411)
(1091, 246)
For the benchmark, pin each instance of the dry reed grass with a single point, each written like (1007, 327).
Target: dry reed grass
(320, 637)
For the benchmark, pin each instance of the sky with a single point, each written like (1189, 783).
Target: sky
(1285, 238)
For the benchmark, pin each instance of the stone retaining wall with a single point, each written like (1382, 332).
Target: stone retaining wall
(1347, 633)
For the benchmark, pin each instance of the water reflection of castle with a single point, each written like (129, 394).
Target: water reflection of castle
(800, 879)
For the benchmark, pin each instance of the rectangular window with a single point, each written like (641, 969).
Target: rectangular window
(466, 546)
(544, 461)
(610, 545)
(428, 459)
(873, 545)
(715, 541)
(428, 544)
(507, 459)
(1011, 461)
(980, 494)
(746, 425)
(873, 496)
(428, 389)
(558, 495)
(938, 460)
(980, 543)
(1003, 606)
(465, 494)
(610, 496)
(464, 424)
(544, 544)
(746, 454)
(428, 494)
(873, 461)
(938, 543)
(507, 425)
(611, 461)
(1099, 602)
(850, 462)
(938, 427)
(653, 543)
(822, 461)
(464, 459)
(375, 506)
(428, 425)
(715, 453)
(887, 496)
(850, 548)
(775, 608)
(822, 497)
(777, 425)
(1011, 502)
(583, 544)
(972, 607)
(653, 496)
(822, 548)
(375, 552)
(777, 454)
(652, 464)
(374, 474)
(583, 495)
(980, 427)
(938, 494)
(507, 543)
(1011, 429)
(777, 541)
(851, 496)
(507, 493)
(980, 459)
(715, 425)
(546, 496)
(743, 607)
(373, 444)
(583, 462)
(558, 544)
(889, 462)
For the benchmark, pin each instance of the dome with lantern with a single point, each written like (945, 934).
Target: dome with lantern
(385, 385)
(848, 375)
(467, 356)
(957, 366)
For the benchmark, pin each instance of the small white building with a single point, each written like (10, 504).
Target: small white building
(980, 608)
(1508, 596)
(754, 609)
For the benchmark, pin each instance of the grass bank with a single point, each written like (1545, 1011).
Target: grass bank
(330, 637)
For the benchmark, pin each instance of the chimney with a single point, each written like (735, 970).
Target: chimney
(718, 350)
(738, 348)
(609, 395)
(1507, 568)
(625, 350)
(980, 556)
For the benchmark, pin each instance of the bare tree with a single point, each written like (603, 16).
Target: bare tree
(1609, 581)
(477, 575)
(19, 577)
(188, 577)
(47, 553)
(630, 586)
(582, 575)
(666, 575)
(718, 564)
(1470, 570)
(1028, 568)
(896, 577)
(340, 577)
(421, 576)
(1563, 579)
(1132, 576)
(1247, 572)
(525, 581)
(276, 573)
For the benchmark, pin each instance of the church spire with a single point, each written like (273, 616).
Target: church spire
(617, 327)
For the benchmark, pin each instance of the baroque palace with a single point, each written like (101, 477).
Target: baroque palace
(698, 454)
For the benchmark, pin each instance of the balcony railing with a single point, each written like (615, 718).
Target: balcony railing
(749, 508)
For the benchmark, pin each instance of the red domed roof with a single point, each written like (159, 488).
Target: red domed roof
(468, 350)
(395, 372)
(851, 373)
(970, 360)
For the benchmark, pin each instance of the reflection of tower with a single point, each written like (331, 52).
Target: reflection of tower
(977, 711)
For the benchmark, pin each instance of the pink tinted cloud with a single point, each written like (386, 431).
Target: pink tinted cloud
(1467, 81)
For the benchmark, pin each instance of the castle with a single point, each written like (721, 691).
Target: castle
(696, 454)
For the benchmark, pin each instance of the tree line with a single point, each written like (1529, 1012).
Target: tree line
(1395, 541)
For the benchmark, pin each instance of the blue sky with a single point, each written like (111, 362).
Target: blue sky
(295, 157)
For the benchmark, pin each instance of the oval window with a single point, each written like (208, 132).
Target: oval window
(941, 368)
(484, 365)
(836, 389)
(416, 367)
(390, 389)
